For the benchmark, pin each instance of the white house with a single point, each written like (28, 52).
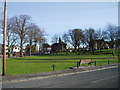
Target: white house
(16, 49)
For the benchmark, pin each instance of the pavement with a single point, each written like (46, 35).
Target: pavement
(26, 77)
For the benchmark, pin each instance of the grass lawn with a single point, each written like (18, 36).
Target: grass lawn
(43, 63)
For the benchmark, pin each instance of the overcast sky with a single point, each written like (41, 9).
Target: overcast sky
(59, 17)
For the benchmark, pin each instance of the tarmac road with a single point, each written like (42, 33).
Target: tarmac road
(107, 78)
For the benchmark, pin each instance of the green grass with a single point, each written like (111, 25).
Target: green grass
(62, 61)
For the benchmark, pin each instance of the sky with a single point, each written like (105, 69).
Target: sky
(59, 17)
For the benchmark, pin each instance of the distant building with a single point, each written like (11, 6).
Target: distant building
(46, 48)
(61, 46)
(117, 44)
(101, 44)
(16, 49)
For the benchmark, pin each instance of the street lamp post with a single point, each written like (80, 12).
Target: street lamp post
(4, 38)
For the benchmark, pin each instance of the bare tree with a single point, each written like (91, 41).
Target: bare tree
(75, 38)
(31, 34)
(84, 41)
(21, 27)
(55, 38)
(1, 21)
(117, 42)
(35, 37)
(1, 15)
(65, 38)
(91, 36)
(101, 34)
(41, 38)
(45, 46)
(112, 33)
(11, 37)
(118, 32)
(1, 24)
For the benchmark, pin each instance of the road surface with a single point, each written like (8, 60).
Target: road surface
(107, 78)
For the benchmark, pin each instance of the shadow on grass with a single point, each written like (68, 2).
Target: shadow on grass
(50, 61)
(106, 61)
(61, 58)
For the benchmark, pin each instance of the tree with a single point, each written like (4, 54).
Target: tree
(36, 35)
(1, 16)
(31, 34)
(21, 26)
(1, 22)
(84, 41)
(45, 46)
(91, 36)
(55, 38)
(27, 49)
(118, 37)
(65, 38)
(11, 37)
(118, 32)
(101, 36)
(75, 38)
(112, 33)
(40, 37)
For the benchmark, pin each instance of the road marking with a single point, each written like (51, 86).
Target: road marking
(104, 79)
(64, 74)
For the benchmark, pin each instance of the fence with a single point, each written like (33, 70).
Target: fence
(77, 64)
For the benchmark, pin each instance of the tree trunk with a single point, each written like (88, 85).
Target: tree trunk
(75, 49)
(12, 51)
(21, 48)
(78, 48)
(84, 50)
(39, 47)
(30, 51)
(8, 47)
(30, 47)
(21, 52)
(9, 52)
(35, 45)
(92, 50)
(113, 53)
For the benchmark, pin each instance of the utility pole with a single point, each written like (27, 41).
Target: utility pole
(4, 38)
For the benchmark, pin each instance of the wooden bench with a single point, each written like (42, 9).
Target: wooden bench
(86, 62)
